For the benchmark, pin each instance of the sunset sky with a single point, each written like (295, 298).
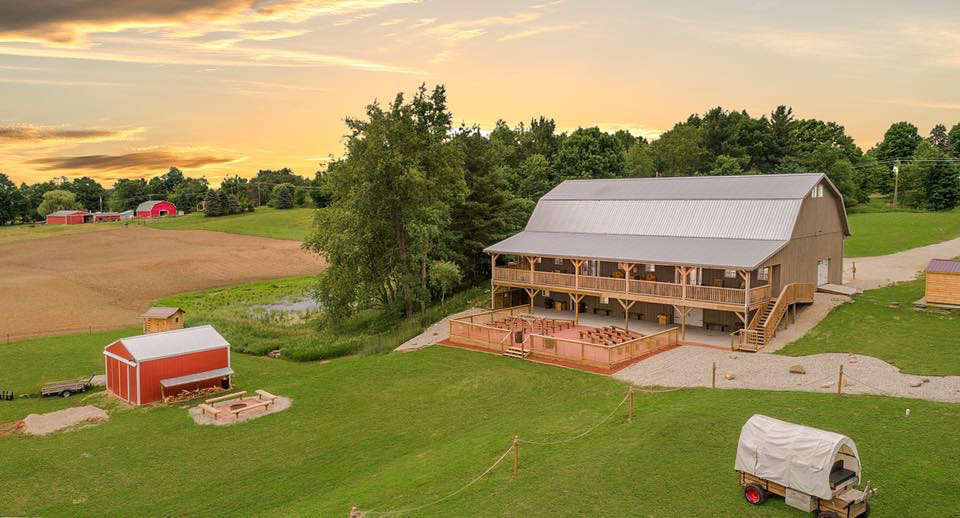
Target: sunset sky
(222, 87)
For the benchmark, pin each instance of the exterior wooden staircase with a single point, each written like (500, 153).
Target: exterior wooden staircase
(765, 322)
(516, 352)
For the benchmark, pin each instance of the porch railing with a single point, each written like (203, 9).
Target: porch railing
(600, 355)
(669, 290)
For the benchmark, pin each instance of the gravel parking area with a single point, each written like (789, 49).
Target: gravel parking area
(435, 333)
(691, 366)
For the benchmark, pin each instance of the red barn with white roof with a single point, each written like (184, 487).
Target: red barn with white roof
(156, 209)
(143, 369)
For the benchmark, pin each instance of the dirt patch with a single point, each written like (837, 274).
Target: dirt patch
(107, 279)
(43, 424)
(279, 405)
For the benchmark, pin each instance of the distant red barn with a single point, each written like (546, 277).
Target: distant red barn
(67, 217)
(143, 369)
(156, 209)
(99, 217)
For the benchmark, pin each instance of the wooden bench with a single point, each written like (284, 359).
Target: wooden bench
(236, 413)
(263, 395)
(207, 409)
(605, 310)
(224, 398)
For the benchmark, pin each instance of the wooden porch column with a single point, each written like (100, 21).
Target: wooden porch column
(745, 275)
(532, 261)
(626, 312)
(684, 311)
(683, 272)
(576, 307)
(626, 275)
(531, 293)
(493, 286)
(576, 272)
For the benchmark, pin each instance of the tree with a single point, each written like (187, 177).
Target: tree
(188, 194)
(899, 142)
(535, 177)
(938, 137)
(781, 142)
(625, 138)
(320, 191)
(930, 180)
(164, 184)
(126, 194)
(12, 200)
(211, 204)
(233, 204)
(281, 197)
(953, 141)
(639, 162)
(58, 199)
(236, 186)
(589, 153)
(726, 165)
(261, 186)
(391, 202)
(680, 151)
(89, 192)
(444, 276)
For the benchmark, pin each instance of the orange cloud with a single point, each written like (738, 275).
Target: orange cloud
(152, 159)
(38, 135)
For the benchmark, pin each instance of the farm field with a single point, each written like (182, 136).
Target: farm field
(881, 233)
(106, 279)
(292, 224)
(17, 233)
(883, 323)
(393, 431)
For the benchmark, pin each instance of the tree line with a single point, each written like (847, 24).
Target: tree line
(412, 195)
(29, 203)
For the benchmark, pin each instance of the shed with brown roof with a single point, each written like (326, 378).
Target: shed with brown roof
(943, 281)
(159, 319)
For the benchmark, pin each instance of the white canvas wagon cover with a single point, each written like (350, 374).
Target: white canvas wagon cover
(792, 455)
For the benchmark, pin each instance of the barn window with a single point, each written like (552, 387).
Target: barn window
(764, 274)
(730, 274)
(817, 191)
(557, 261)
(650, 268)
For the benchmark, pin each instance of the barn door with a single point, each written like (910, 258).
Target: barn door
(823, 272)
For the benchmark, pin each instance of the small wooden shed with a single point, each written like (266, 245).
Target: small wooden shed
(943, 281)
(160, 319)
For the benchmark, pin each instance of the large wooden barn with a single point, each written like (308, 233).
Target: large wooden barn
(143, 369)
(731, 253)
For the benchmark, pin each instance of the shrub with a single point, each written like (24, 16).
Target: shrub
(282, 198)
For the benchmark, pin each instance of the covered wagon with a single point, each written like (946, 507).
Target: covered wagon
(814, 470)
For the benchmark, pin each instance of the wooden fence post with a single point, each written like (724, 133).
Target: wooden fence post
(630, 413)
(840, 380)
(713, 376)
(516, 456)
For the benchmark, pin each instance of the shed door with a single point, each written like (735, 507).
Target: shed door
(823, 272)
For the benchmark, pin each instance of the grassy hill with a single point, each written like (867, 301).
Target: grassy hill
(293, 224)
(393, 431)
(883, 323)
(881, 233)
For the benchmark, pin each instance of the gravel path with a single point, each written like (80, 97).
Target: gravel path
(877, 271)
(690, 366)
(43, 424)
(435, 333)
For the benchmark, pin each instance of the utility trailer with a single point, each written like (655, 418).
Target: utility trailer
(65, 388)
(814, 470)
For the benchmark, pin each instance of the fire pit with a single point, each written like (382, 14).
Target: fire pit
(238, 406)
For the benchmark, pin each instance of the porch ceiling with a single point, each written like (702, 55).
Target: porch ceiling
(684, 251)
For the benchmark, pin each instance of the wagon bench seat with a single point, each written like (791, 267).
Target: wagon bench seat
(194, 378)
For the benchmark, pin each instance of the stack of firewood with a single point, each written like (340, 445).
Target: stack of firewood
(187, 395)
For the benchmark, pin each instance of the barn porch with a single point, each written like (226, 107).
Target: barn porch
(696, 335)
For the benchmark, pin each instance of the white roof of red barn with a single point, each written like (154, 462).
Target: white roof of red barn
(173, 343)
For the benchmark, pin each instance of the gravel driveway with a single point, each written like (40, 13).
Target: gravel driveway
(690, 366)
(877, 271)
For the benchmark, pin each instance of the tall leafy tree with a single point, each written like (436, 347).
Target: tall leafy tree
(12, 200)
(953, 141)
(938, 137)
(899, 142)
(680, 151)
(781, 143)
(58, 199)
(536, 177)
(589, 153)
(127, 193)
(639, 161)
(188, 194)
(89, 193)
(392, 198)
(211, 204)
(163, 185)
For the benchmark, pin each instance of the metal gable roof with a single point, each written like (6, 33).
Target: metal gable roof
(732, 221)
(148, 205)
(173, 343)
(683, 251)
(943, 266)
(66, 213)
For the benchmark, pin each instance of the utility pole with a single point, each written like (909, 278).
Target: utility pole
(101, 203)
(896, 181)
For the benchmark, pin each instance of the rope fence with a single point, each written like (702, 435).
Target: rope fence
(515, 449)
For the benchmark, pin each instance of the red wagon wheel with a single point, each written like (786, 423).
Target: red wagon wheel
(754, 494)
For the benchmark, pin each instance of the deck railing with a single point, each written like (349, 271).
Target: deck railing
(600, 355)
(670, 290)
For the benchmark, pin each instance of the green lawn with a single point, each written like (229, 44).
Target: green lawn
(392, 431)
(919, 342)
(881, 233)
(293, 224)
